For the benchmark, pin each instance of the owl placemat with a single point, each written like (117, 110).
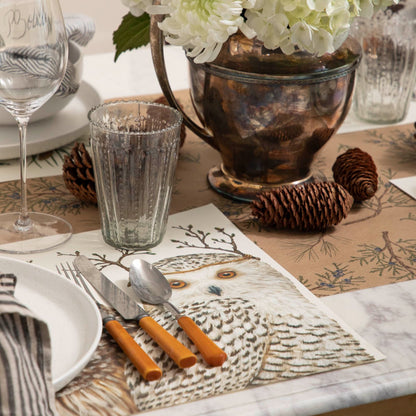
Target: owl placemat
(271, 327)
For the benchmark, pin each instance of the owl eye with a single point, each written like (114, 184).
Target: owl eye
(177, 284)
(226, 274)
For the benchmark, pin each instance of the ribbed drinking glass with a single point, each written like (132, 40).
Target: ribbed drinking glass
(134, 150)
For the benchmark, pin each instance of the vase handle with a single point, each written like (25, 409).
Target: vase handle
(156, 46)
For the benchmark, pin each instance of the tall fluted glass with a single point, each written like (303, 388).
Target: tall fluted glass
(33, 58)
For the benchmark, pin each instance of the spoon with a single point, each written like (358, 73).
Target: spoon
(152, 287)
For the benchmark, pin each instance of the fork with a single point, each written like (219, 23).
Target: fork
(144, 364)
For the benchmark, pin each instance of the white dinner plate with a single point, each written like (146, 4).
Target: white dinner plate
(73, 319)
(53, 132)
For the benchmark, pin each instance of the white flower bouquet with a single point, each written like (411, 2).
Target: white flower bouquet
(202, 26)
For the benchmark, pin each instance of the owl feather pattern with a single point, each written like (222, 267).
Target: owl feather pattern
(101, 388)
(268, 328)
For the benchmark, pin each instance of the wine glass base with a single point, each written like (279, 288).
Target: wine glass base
(44, 233)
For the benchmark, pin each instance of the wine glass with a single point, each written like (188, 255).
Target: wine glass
(33, 58)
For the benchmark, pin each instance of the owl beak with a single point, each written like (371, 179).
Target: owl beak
(215, 290)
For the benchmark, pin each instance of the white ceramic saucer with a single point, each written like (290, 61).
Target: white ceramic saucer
(56, 131)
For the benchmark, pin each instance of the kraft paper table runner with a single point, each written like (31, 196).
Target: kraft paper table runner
(374, 245)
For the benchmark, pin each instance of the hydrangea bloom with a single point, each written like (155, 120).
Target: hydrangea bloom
(137, 7)
(202, 26)
(316, 26)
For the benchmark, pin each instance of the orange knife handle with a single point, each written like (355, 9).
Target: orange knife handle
(210, 351)
(144, 364)
(177, 351)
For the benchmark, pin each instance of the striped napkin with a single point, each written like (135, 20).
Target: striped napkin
(25, 358)
(79, 29)
(39, 62)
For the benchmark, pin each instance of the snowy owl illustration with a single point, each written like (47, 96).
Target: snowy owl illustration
(101, 388)
(268, 328)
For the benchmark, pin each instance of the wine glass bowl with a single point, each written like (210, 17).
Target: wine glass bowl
(33, 58)
(58, 101)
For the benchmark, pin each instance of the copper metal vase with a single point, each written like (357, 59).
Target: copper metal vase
(267, 113)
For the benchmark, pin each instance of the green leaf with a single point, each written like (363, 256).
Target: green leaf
(132, 33)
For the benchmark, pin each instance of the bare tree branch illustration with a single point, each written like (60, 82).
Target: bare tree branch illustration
(313, 247)
(337, 279)
(44, 194)
(395, 257)
(410, 217)
(401, 144)
(101, 261)
(202, 240)
(388, 196)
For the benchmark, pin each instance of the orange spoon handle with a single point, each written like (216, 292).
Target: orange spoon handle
(210, 351)
(183, 357)
(144, 364)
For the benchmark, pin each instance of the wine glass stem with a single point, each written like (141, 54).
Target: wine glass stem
(23, 223)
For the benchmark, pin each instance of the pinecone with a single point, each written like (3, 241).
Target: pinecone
(162, 100)
(310, 207)
(356, 172)
(79, 175)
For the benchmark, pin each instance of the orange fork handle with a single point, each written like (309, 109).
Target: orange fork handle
(183, 357)
(210, 351)
(144, 364)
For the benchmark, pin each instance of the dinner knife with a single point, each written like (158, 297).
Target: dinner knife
(129, 309)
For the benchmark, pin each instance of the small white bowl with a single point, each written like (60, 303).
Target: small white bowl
(55, 103)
